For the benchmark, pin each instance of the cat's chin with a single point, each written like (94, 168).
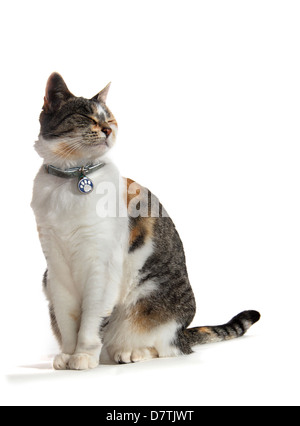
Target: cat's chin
(95, 151)
(96, 147)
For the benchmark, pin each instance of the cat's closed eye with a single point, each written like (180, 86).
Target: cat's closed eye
(112, 122)
(93, 120)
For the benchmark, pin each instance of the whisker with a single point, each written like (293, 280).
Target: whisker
(68, 150)
(71, 149)
(71, 144)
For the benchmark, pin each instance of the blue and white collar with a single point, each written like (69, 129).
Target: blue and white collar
(85, 185)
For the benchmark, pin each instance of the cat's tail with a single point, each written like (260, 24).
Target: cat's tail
(236, 327)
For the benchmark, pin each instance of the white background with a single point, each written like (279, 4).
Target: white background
(207, 96)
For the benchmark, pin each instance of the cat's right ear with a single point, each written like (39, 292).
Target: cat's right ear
(56, 94)
(102, 96)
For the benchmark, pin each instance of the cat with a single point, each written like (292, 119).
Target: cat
(117, 284)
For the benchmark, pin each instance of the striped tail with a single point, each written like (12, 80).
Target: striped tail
(236, 327)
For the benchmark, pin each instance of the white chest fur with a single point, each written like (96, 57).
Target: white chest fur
(72, 234)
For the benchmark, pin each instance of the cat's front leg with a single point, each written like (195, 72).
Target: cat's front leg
(87, 352)
(100, 295)
(65, 315)
(88, 346)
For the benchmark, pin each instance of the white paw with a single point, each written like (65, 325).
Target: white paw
(61, 362)
(122, 357)
(83, 362)
(136, 355)
(143, 354)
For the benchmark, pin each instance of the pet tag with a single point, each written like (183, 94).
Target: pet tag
(85, 185)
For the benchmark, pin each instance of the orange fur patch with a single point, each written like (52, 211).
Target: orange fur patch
(95, 128)
(112, 122)
(143, 320)
(75, 316)
(64, 150)
(133, 189)
(144, 226)
(153, 352)
(205, 330)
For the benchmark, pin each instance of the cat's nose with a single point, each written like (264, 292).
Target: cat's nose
(106, 130)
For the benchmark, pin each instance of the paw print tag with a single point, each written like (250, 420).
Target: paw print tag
(85, 185)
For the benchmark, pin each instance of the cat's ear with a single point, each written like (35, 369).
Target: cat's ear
(57, 93)
(101, 96)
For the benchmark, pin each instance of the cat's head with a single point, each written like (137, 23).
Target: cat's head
(74, 130)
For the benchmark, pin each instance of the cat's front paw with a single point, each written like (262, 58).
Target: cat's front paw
(83, 362)
(61, 362)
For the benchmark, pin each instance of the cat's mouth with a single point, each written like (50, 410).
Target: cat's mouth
(97, 143)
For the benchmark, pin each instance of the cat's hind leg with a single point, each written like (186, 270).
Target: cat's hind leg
(129, 339)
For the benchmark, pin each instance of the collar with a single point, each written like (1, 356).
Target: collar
(73, 171)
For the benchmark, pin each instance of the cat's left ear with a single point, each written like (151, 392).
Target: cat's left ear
(101, 96)
(57, 93)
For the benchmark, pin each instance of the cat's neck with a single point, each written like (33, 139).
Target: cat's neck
(81, 163)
